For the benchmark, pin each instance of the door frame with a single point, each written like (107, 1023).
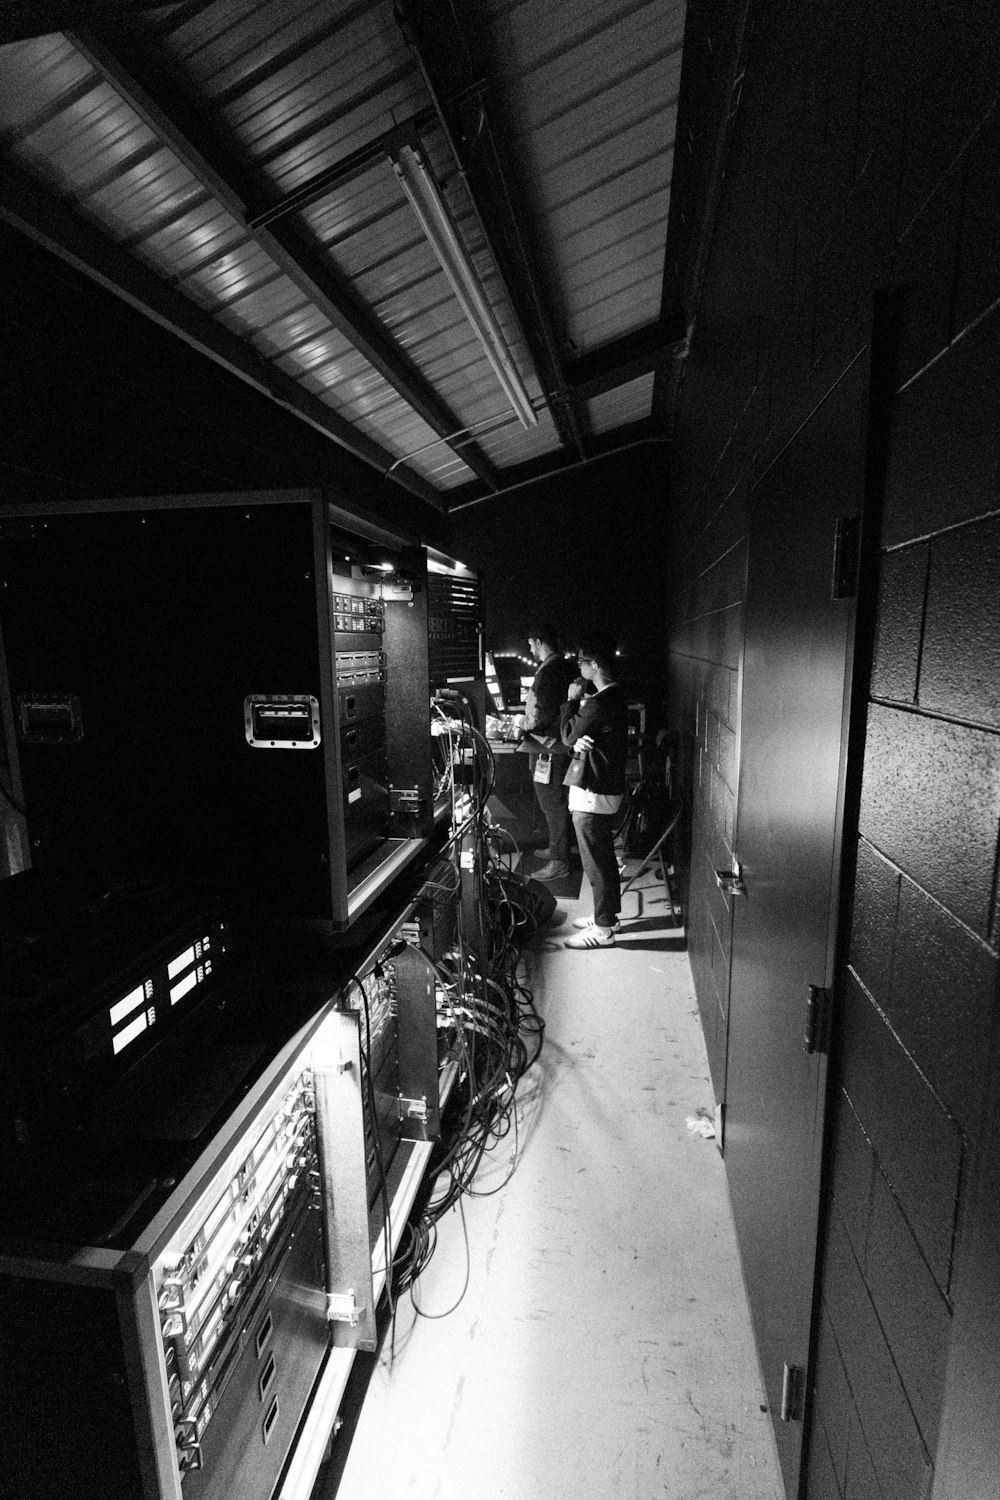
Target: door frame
(865, 338)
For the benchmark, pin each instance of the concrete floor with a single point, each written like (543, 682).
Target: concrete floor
(587, 1335)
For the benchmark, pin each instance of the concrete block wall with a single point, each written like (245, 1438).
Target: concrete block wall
(865, 160)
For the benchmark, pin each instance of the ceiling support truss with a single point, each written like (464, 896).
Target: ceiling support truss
(35, 212)
(144, 77)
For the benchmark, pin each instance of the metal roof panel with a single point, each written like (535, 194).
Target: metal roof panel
(622, 406)
(286, 89)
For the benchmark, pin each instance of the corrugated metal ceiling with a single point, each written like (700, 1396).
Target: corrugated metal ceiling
(238, 153)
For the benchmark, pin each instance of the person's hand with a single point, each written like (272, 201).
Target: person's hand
(575, 690)
(584, 743)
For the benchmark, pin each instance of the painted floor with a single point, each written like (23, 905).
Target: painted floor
(586, 1333)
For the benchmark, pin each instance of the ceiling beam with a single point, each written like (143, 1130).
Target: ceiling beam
(615, 364)
(29, 208)
(146, 79)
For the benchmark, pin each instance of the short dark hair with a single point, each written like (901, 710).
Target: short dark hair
(544, 631)
(600, 649)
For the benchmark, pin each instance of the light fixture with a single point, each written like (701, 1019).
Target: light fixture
(408, 162)
(529, 661)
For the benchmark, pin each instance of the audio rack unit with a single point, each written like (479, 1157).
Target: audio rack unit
(239, 1292)
(230, 688)
(201, 1350)
(454, 621)
(91, 985)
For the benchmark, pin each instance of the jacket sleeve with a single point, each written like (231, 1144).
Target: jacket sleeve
(578, 717)
(545, 699)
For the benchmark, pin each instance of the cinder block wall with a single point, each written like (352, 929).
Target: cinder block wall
(865, 159)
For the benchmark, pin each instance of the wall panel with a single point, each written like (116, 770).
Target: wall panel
(864, 164)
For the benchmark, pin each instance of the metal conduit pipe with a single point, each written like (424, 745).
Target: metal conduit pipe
(554, 474)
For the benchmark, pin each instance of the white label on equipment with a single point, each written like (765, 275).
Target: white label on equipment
(129, 1033)
(122, 1009)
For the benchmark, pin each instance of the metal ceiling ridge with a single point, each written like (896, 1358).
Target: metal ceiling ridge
(290, 54)
(554, 474)
(609, 86)
(270, 154)
(51, 111)
(561, 47)
(355, 164)
(610, 179)
(34, 212)
(154, 100)
(274, 117)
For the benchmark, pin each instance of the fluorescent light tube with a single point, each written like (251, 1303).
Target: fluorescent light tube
(435, 220)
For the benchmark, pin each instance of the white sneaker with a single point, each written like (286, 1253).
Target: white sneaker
(583, 922)
(591, 937)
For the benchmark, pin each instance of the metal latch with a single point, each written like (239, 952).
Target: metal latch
(413, 1109)
(404, 799)
(731, 882)
(342, 1307)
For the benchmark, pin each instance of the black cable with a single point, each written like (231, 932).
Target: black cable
(494, 1033)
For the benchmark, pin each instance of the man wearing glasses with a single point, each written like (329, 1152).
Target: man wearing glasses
(595, 726)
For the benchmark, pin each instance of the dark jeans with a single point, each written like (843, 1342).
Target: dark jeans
(552, 799)
(595, 833)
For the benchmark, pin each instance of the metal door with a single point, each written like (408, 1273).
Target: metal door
(796, 685)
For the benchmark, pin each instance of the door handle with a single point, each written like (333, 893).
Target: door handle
(731, 882)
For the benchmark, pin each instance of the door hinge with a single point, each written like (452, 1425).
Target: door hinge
(846, 554)
(817, 1011)
(791, 1393)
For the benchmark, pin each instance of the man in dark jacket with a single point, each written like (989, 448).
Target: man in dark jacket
(544, 700)
(594, 724)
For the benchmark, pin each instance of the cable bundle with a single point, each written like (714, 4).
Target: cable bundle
(486, 1014)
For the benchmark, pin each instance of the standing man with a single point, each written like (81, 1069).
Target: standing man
(545, 698)
(596, 727)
